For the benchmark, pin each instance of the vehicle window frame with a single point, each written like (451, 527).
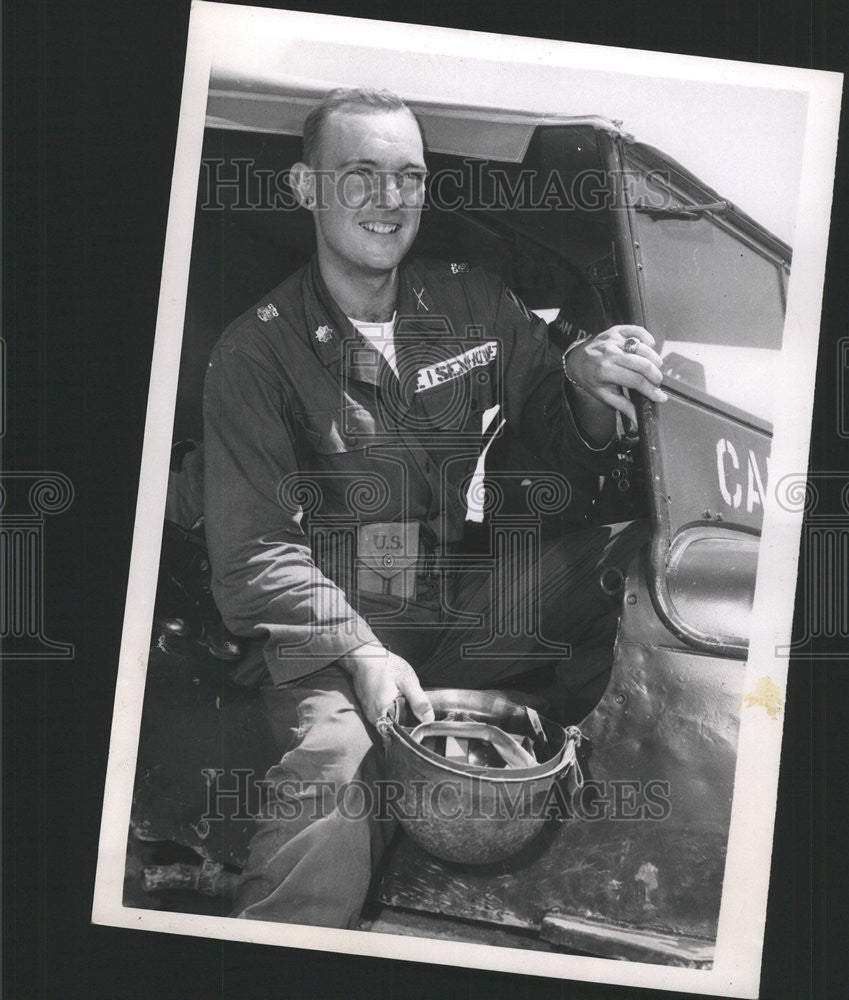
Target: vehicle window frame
(725, 221)
(622, 156)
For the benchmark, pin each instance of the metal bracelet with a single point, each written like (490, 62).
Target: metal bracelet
(565, 372)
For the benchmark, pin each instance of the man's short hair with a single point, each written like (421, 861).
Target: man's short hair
(359, 100)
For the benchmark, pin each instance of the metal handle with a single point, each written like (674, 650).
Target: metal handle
(389, 719)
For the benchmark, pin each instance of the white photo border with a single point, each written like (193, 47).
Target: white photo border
(736, 969)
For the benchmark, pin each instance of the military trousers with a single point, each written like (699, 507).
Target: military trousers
(475, 623)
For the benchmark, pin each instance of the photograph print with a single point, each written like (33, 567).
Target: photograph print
(468, 516)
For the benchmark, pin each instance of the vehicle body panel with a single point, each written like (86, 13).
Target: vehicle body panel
(658, 765)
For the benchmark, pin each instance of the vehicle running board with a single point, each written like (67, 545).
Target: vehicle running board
(630, 944)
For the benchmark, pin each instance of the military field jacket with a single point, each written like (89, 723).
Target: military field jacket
(309, 432)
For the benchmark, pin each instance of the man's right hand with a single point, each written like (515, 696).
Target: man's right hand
(378, 677)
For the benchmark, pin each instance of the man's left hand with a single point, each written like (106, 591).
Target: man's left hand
(603, 368)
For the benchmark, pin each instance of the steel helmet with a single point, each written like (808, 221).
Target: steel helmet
(475, 785)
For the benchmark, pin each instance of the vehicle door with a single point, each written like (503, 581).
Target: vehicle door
(710, 285)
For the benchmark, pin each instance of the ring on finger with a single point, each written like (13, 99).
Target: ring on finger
(631, 344)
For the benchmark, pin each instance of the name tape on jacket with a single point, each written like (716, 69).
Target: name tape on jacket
(451, 368)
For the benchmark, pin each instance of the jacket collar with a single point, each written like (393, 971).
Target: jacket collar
(333, 336)
(328, 326)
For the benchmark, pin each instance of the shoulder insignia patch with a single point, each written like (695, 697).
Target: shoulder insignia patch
(461, 267)
(517, 302)
(571, 331)
(268, 312)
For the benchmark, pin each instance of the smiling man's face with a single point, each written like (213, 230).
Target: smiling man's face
(369, 190)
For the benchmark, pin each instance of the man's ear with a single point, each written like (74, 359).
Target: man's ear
(302, 179)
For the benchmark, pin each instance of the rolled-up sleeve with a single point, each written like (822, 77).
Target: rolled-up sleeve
(264, 579)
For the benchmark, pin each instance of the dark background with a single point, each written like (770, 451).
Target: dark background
(91, 96)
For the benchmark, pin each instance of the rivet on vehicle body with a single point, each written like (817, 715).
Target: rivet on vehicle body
(611, 580)
(639, 267)
(620, 699)
(631, 598)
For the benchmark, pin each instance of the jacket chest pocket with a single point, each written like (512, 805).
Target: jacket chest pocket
(456, 405)
(336, 431)
(348, 481)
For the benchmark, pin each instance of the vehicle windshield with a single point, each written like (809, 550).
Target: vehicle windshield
(713, 301)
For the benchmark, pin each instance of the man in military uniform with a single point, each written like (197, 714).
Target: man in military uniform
(343, 420)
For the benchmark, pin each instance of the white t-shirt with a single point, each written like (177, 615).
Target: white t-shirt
(380, 335)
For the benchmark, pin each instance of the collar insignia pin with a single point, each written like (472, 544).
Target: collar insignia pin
(268, 312)
(323, 334)
(420, 303)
